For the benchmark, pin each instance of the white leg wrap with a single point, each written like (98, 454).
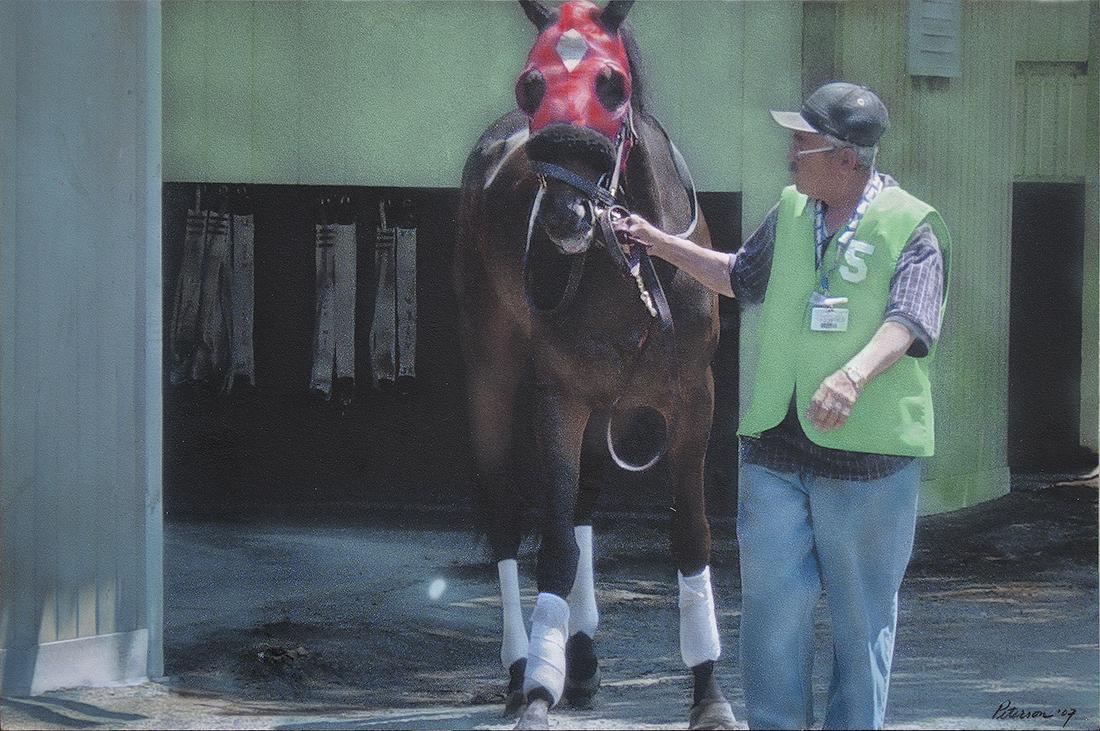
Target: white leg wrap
(584, 616)
(546, 653)
(698, 626)
(513, 645)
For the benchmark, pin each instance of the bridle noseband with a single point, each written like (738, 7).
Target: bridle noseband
(596, 193)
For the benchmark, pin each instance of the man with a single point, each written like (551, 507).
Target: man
(850, 270)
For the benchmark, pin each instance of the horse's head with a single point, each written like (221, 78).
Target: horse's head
(575, 90)
(577, 72)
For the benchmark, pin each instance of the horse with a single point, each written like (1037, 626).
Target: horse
(612, 337)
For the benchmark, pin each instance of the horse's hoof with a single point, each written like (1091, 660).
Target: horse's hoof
(712, 714)
(580, 693)
(514, 699)
(536, 715)
(582, 671)
(712, 710)
(513, 703)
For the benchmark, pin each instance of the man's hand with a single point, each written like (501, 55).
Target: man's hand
(633, 230)
(832, 402)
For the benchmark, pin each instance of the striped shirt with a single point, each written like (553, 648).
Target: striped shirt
(916, 298)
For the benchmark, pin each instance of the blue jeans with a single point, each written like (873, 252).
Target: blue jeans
(798, 535)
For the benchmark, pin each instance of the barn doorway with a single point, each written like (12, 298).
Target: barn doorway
(1044, 363)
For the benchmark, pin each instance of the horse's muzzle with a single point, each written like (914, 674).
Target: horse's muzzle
(568, 218)
(578, 155)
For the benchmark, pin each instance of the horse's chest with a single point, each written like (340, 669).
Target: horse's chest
(592, 358)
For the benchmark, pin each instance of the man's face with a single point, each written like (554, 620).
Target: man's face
(815, 165)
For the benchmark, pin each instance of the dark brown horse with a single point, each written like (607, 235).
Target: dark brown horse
(610, 334)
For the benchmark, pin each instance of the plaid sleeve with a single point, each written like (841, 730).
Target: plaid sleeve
(916, 289)
(751, 265)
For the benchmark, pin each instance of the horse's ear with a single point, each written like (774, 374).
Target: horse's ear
(539, 13)
(614, 14)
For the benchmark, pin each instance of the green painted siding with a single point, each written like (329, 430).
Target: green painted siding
(715, 68)
(395, 93)
(952, 143)
(946, 145)
(319, 92)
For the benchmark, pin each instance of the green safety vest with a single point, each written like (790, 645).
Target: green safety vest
(893, 414)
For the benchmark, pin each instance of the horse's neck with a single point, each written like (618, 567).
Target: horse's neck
(653, 183)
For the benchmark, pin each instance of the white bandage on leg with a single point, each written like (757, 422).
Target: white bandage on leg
(546, 653)
(584, 616)
(513, 645)
(699, 640)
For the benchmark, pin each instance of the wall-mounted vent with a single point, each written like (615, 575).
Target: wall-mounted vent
(935, 38)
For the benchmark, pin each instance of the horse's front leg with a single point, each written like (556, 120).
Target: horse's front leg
(582, 676)
(700, 645)
(559, 428)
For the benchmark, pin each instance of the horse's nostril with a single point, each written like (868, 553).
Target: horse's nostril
(569, 222)
(566, 217)
(582, 210)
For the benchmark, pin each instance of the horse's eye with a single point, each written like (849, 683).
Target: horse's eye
(611, 88)
(530, 89)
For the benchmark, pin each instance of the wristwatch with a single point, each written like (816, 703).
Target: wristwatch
(858, 379)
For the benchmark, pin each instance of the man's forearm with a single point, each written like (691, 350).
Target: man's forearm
(711, 268)
(832, 403)
(888, 344)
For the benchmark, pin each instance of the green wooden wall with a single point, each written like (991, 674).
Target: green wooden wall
(320, 92)
(317, 92)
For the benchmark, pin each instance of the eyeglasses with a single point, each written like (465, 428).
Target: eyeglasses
(799, 153)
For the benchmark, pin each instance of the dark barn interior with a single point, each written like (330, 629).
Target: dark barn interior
(276, 446)
(1044, 361)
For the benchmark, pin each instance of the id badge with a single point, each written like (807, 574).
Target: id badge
(829, 319)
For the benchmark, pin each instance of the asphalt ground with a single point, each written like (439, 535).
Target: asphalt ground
(332, 621)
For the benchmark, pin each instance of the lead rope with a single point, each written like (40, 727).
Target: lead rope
(640, 267)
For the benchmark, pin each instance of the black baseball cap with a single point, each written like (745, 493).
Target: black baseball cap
(846, 111)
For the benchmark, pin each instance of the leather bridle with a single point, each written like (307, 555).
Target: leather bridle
(602, 197)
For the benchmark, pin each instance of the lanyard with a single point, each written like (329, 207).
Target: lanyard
(874, 187)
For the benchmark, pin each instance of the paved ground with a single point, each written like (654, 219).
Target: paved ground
(333, 624)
